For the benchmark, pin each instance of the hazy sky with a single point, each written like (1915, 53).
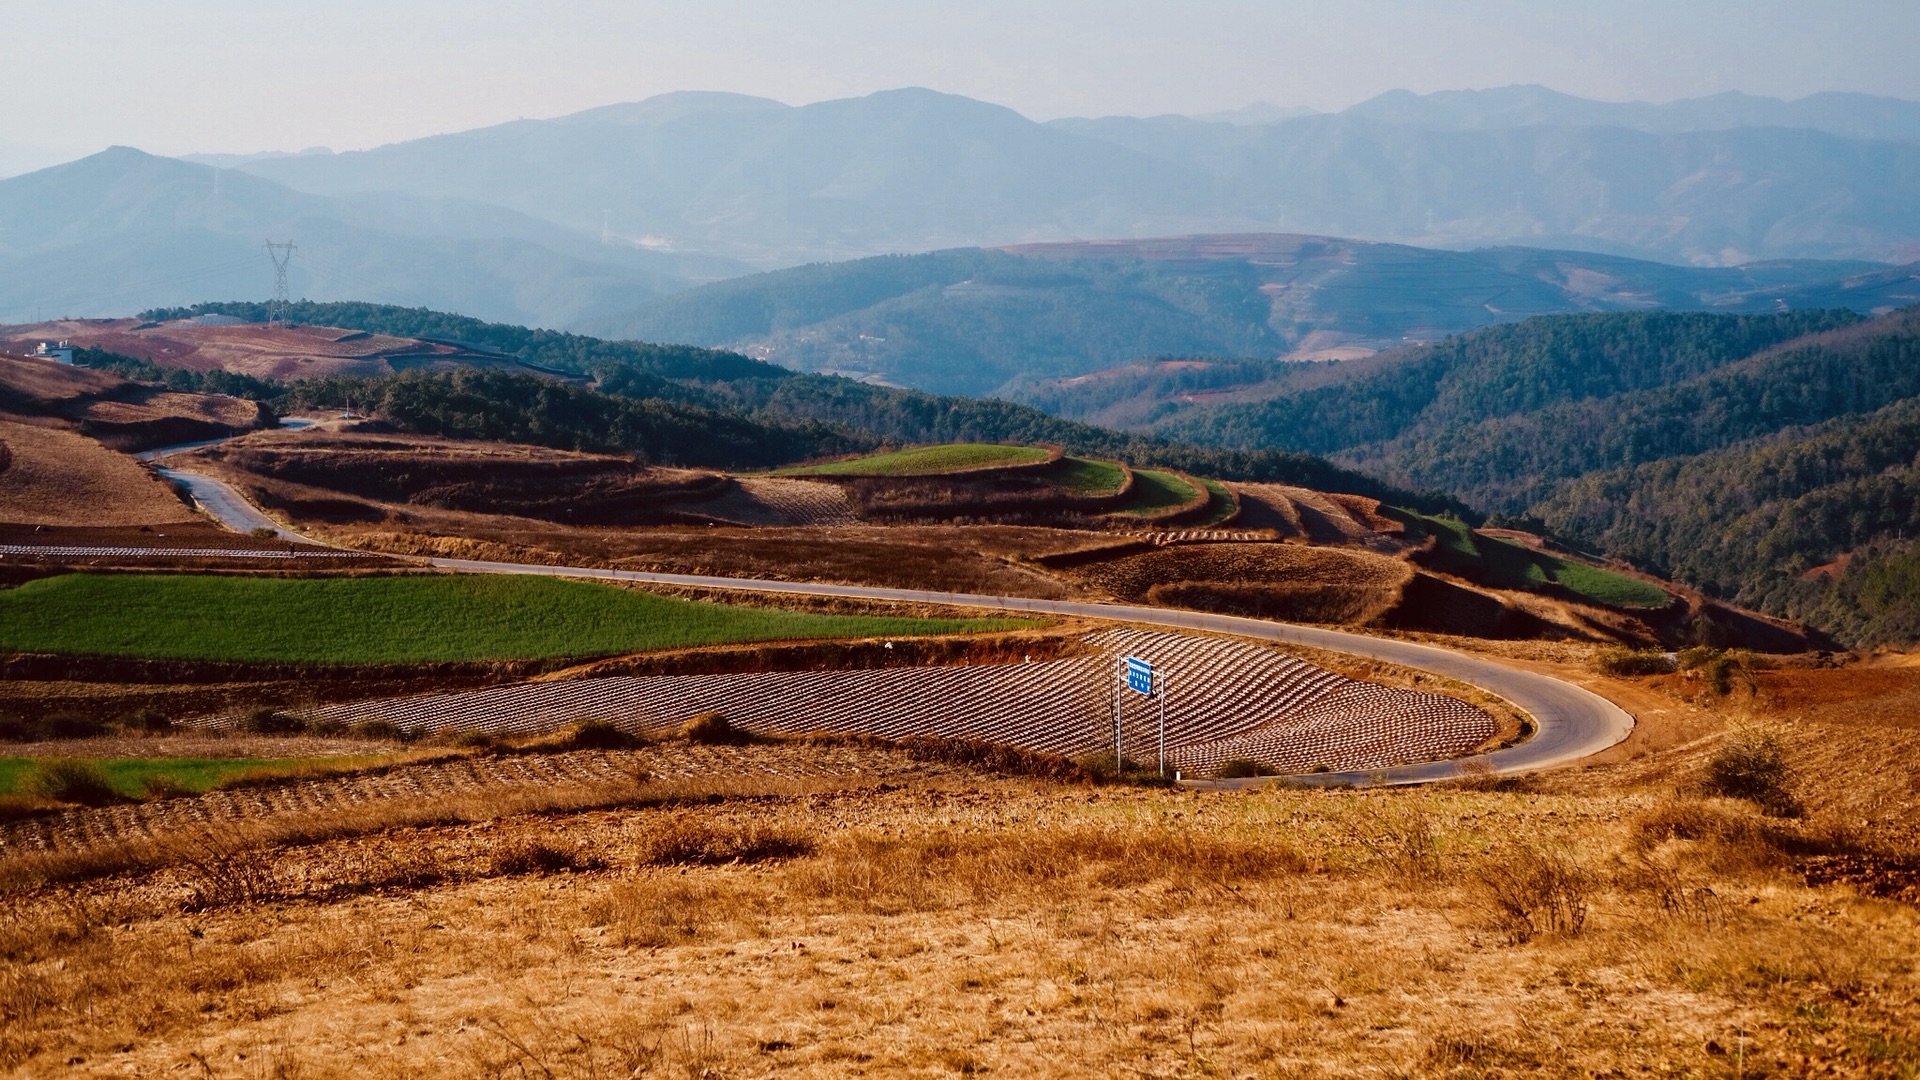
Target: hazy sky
(175, 76)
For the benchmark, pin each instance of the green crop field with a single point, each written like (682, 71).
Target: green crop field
(1218, 507)
(1155, 491)
(1507, 565)
(928, 461)
(1604, 586)
(1084, 476)
(402, 619)
(129, 776)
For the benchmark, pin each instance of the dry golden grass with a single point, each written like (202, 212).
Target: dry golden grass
(977, 925)
(38, 384)
(59, 477)
(213, 408)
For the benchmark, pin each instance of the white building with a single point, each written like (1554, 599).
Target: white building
(61, 353)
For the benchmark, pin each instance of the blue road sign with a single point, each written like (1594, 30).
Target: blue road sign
(1139, 675)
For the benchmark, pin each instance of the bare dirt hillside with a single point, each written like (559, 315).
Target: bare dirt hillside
(283, 352)
(125, 415)
(55, 476)
(62, 433)
(367, 476)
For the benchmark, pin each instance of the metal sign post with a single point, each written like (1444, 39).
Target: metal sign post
(1139, 675)
(1162, 695)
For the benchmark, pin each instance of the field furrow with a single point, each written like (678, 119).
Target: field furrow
(1225, 699)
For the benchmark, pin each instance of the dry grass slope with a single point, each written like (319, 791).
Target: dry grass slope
(58, 477)
(973, 925)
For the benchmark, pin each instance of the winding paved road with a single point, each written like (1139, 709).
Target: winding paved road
(220, 500)
(1570, 722)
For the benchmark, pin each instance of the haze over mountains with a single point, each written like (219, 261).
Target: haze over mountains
(121, 231)
(1719, 181)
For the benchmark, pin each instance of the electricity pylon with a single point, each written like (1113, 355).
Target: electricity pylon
(281, 254)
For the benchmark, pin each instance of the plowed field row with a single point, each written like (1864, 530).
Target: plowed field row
(488, 776)
(1225, 699)
(71, 551)
(1186, 536)
(773, 501)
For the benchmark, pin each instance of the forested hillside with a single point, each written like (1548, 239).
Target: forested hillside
(969, 321)
(976, 321)
(1760, 522)
(1500, 372)
(1733, 453)
(497, 405)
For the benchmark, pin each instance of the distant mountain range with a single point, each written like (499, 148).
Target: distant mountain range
(1717, 181)
(122, 230)
(1859, 116)
(1016, 321)
(596, 221)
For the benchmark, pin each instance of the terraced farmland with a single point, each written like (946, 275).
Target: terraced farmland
(773, 501)
(930, 461)
(1227, 699)
(490, 778)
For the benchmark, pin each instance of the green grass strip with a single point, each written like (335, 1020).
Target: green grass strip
(129, 776)
(1507, 565)
(1155, 491)
(402, 619)
(927, 461)
(1604, 586)
(1084, 476)
(13, 770)
(1218, 507)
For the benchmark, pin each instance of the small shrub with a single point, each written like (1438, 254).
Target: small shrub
(152, 721)
(1532, 892)
(70, 781)
(1622, 662)
(1406, 844)
(472, 740)
(684, 842)
(525, 856)
(221, 869)
(19, 729)
(263, 532)
(267, 721)
(66, 725)
(712, 729)
(994, 758)
(1751, 764)
(598, 735)
(379, 729)
(1102, 765)
(1694, 658)
(1242, 769)
(1677, 896)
